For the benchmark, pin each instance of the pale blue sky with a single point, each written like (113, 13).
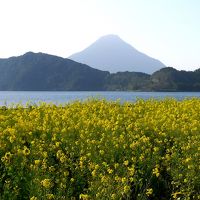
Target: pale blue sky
(168, 30)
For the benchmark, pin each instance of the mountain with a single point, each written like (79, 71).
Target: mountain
(170, 79)
(112, 54)
(123, 81)
(39, 71)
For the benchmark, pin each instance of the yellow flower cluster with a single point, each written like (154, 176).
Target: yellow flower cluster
(99, 149)
(46, 183)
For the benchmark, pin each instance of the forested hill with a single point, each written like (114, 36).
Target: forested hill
(170, 79)
(39, 72)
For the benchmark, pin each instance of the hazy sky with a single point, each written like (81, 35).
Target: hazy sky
(168, 30)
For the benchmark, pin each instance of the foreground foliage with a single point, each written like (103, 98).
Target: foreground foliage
(101, 150)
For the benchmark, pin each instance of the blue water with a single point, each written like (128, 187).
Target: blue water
(15, 97)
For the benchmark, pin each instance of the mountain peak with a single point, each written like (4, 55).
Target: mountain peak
(110, 36)
(110, 40)
(29, 53)
(111, 53)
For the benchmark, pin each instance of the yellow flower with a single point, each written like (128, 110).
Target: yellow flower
(26, 151)
(175, 195)
(131, 170)
(72, 180)
(50, 196)
(117, 178)
(101, 152)
(156, 171)
(37, 162)
(103, 179)
(66, 173)
(187, 160)
(94, 173)
(113, 196)
(149, 192)
(45, 154)
(63, 159)
(12, 139)
(52, 169)
(110, 171)
(84, 196)
(156, 149)
(7, 155)
(126, 162)
(33, 198)
(57, 144)
(126, 189)
(96, 167)
(46, 183)
(116, 165)
(124, 180)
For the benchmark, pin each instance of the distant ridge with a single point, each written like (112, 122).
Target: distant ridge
(112, 54)
(40, 71)
(44, 72)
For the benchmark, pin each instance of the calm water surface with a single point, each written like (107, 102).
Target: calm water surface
(10, 97)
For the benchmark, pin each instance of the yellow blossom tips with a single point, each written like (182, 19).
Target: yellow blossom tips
(37, 162)
(101, 152)
(7, 156)
(26, 151)
(33, 198)
(126, 162)
(46, 183)
(156, 171)
(84, 196)
(149, 192)
(98, 149)
(126, 189)
(50, 196)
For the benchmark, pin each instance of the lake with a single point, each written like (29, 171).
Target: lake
(10, 97)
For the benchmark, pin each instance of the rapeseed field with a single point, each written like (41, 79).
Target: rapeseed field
(99, 149)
